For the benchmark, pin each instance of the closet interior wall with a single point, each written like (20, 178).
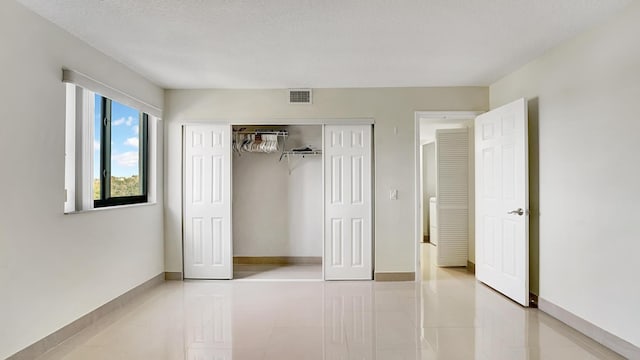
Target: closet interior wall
(277, 203)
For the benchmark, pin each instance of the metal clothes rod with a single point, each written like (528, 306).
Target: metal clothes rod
(262, 132)
(258, 140)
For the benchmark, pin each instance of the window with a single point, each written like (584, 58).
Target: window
(120, 154)
(110, 146)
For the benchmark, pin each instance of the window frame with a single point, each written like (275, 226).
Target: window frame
(106, 200)
(83, 94)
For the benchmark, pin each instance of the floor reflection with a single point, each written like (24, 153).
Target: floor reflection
(446, 316)
(463, 319)
(208, 327)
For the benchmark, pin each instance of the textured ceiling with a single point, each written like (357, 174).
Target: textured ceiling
(323, 43)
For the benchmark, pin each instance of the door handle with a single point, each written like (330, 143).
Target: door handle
(518, 212)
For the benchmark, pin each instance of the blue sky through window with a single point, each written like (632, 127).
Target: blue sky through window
(125, 127)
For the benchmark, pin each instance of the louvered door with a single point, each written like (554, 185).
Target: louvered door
(452, 196)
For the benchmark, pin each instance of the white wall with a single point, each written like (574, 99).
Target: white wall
(55, 268)
(393, 150)
(305, 193)
(584, 134)
(277, 213)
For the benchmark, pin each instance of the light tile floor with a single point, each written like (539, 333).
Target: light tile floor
(446, 316)
(277, 272)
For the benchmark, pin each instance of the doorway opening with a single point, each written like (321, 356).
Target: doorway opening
(277, 202)
(444, 171)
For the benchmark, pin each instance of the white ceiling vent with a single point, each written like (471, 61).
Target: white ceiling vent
(300, 96)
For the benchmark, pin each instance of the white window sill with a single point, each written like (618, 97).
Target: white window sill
(116, 207)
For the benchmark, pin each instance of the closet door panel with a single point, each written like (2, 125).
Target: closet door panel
(337, 179)
(357, 168)
(348, 219)
(207, 202)
(357, 255)
(337, 244)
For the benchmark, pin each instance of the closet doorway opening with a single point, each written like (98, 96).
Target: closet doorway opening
(277, 202)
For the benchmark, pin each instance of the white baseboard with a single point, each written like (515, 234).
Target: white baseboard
(49, 342)
(598, 334)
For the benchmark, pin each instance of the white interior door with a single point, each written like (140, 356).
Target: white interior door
(452, 197)
(347, 193)
(502, 200)
(207, 202)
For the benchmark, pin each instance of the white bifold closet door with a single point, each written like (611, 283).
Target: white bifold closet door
(347, 220)
(207, 202)
(452, 196)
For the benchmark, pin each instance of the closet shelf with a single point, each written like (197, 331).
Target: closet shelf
(262, 132)
(304, 153)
